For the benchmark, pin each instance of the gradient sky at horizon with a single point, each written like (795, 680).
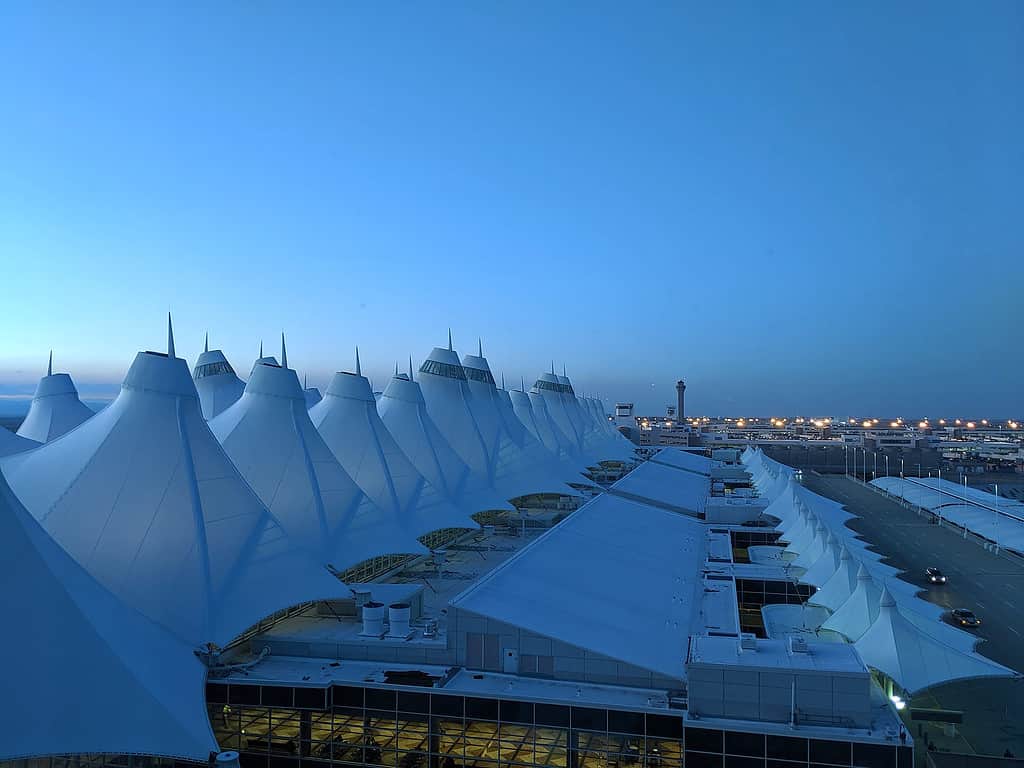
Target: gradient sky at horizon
(798, 207)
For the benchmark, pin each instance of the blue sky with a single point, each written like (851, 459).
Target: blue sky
(811, 207)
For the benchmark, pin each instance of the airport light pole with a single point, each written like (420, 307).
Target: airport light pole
(995, 521)
(874, 465)
(846, 460)
(886, 457)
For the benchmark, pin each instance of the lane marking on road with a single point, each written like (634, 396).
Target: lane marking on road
(1013, 630)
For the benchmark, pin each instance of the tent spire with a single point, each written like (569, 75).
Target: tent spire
(284, 352)
(449, 339)
(502, 379)
(410, 369)
(170, 337)
(522, 383)
(261, 349)
(359, 370)
(563, 370)
(479, 347)
(206, 342)
(305, 381)
(396, 369)
(552, 367)
(49, 365)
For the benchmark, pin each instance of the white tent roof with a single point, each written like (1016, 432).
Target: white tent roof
(582, 583)
(915, 660)
(85, 673)
(512, 446)
(666, 485)
(312, 396)
(347, 419)
(532, 411)
(856, 614)
(595, 437)
(404, 412)
(216, 382)
(526, 438)
(825, 566)
(549, 389)
(12, 443)
(809, 555)
(143, 496)
(840, 585)
(55, 408)
(272, 441)
(472, 426)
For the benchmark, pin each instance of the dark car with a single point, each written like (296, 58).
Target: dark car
(965, 618)
(934, 575)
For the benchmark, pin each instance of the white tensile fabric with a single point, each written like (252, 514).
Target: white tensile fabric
(87, 674)
(807, 556)
(523, 454)
(531, 410)
(855, 615)
(894, 646)
(312, 396)
(272, 441)
(549, 389)
(216, 382)
(55, 409)
(526, 438)
(472, 426)
(835, 591)
(404, 412)
(825, 566)
(347, 419)
(12, 443)
(145, 499)
(562, 584)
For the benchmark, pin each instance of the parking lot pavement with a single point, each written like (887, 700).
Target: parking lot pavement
(990, 585)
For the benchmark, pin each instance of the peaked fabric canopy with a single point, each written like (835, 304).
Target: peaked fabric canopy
(839, 586)
(472, 426)
(347, 419)
(216, 383)
(312, 396)
(144, 498)
(532, 412)
(857, 612)
(404, 412)
(55, 409)
(85, 673)
(915, 660)
(512, 444)
(272, 441)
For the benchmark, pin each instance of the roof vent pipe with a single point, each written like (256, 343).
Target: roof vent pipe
(361, 597)
(399, 615)
(373, 619)
(227, 759)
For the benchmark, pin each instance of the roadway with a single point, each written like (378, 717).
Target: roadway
(989, 584)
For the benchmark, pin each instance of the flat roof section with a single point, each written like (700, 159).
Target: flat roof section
(617, 578)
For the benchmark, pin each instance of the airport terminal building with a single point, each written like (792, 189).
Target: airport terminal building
(444, 574)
